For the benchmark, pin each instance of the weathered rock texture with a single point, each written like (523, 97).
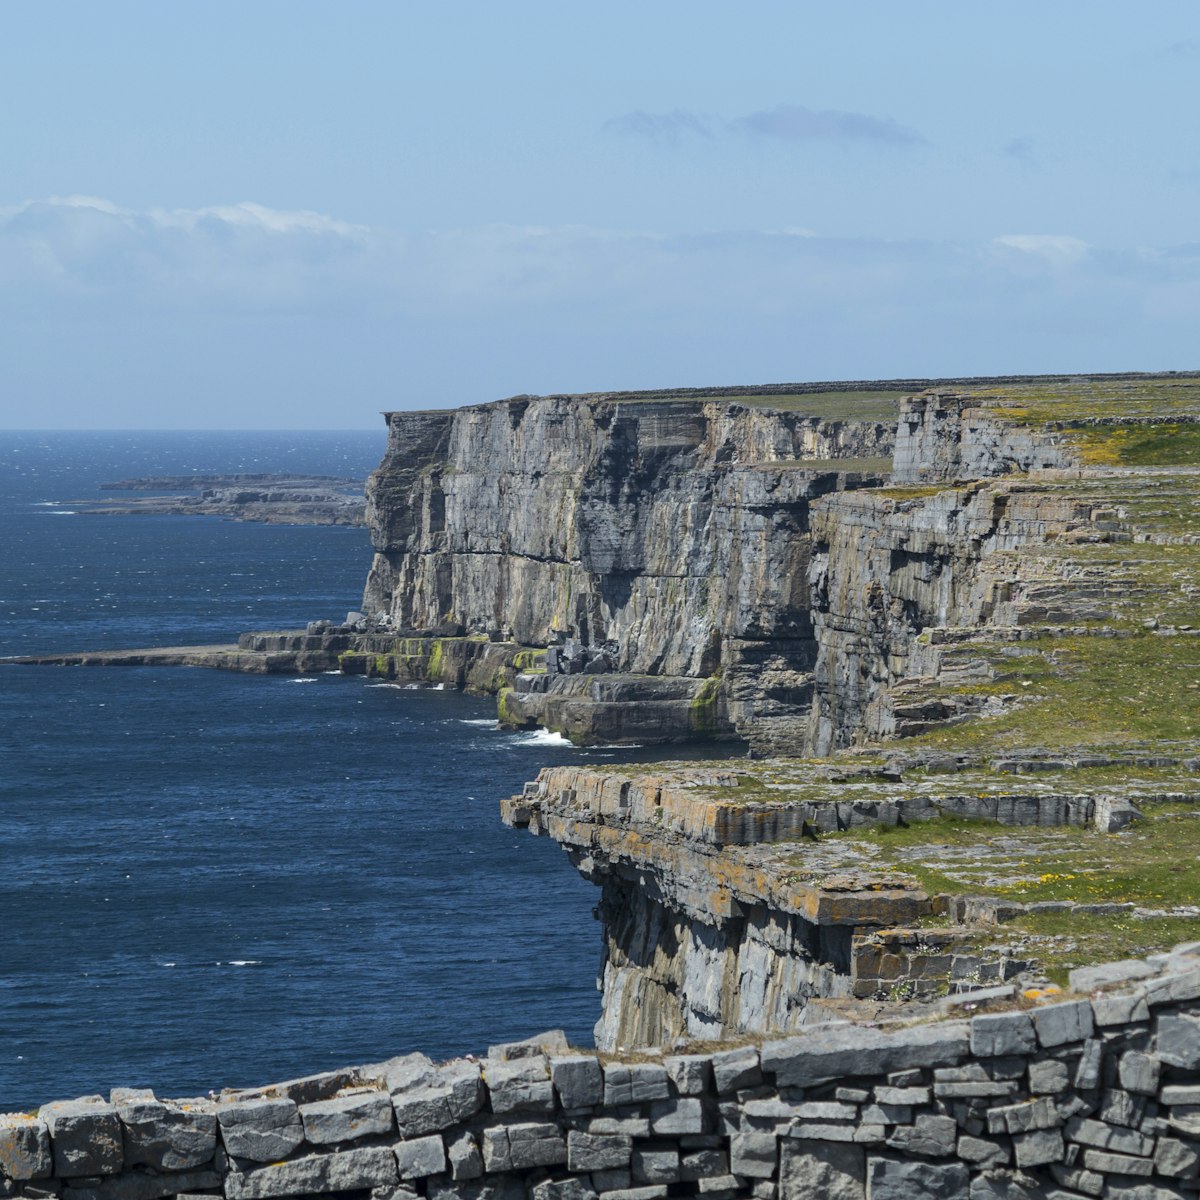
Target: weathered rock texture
(1095, 1095)
(640, 540)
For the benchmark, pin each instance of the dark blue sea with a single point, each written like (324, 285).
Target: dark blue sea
(210, 879)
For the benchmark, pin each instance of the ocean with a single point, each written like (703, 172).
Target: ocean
(217, 880)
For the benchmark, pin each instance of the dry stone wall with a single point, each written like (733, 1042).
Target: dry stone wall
(1095, 1095)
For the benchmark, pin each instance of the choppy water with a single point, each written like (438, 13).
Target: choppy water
(211, 879)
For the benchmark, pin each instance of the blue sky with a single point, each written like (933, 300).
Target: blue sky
(294, 215)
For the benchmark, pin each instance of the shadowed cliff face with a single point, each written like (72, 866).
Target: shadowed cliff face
(665, 539)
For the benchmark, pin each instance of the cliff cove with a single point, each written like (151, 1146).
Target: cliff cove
(935, 935)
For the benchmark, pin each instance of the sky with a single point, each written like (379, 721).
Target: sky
(288, 214)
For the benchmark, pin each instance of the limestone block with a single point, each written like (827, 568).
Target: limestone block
(464, 1158)
(929, 1134)
(406, 1071)
(578, 1080)
(1139, 1072)
(1105, 1163)
(736, 1069)
(420, 1156)
(521, 1085)
(911, 1096)
(891, 1179)
(994, 1035)
(139, 1185)
(659, 1163)
(1122, 1108)
(346, 1118)
(689, 1073)
(24, 1147)
(85, 1136)
(638, 1127)
(422, 1110)
(597, 1151)
(1087, 1073)
(981, 1151)
(1087, 979)
(1005, 1185)
(1120, 1009)
(1038, 1147)
(562, 1189)
(168, 1136)
(702, 1164)
(634, 1083)
(1058, 1024)
(841, 1051)
(462, 1079)
(501, 1187)
(520, 1147)
(1049, 1077)
(1178, 1040)
(611, 1181)
(1180, 1160)
(1040, 1113)
(1108, 1137)
(260, 1130)
(366, 1167)
(685, 1115)
(753, 1155)
(649, 1191)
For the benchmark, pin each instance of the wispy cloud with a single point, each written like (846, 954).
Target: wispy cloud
(668, 127)
(1056, 248)
(795, 123)
(784, 122)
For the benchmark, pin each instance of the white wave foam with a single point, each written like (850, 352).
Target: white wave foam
(61, 512)
(544, 737)
(403, 687)
(245, 962)
(166, 964)
(331, 672)
(482, 723)
(306, 679)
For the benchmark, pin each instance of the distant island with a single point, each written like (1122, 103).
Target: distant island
(274, 499)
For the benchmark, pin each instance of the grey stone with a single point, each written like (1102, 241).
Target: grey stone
(1058, 1024)
(658, 1163)
(1087, 1072)
(809, 1170)
(737, 1068)
(420, 1157)
(24, 1147)
(578, 1080)
(852, 1095)
(649, 1191)
(141, 1185)
(521, 1085)
(720, 1187)
(1122, 1108)
(348, 1170)
(85, 1136)
(562, 1189)
(753, 1155)
(1079, 1179)
(260, 1130)
(903, 1095)
(1040, 1113)
(635, 1083)
(522, 1146)
(597, 1152)
(890, 1179)
(1048, 1077)
(553, 1041)
(1172, 989)
(1177, 1159)
(1105, 1163)
(994, 1035)
(463, 1157)
(1038, 1147)
(885, 1114)
(638, 1127)
(463, 1081)
(689, 1073)
(929, 1134)
(168, 1136)
(685, 1115)
(1178, 1040)
(1109, 1137)
(422, 1110)
(611, 1181)
(503, 1187)
(980, 1150)
(1139, 1072)
(833, 1053)
(1177, 1093)
(346, 1118)
(407, 1071)
(1120, 1009)
(1086, 979)
(994, 1089)
(702, 1164)
(1005, 1185)
(826, 1131)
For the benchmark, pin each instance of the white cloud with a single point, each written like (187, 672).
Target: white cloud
(1059, 248)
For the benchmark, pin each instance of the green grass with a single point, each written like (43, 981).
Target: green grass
(832, 406)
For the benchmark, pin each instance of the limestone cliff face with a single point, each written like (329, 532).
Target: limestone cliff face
(651, 539)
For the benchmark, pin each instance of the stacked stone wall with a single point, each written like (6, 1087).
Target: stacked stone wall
(1095, 1095)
